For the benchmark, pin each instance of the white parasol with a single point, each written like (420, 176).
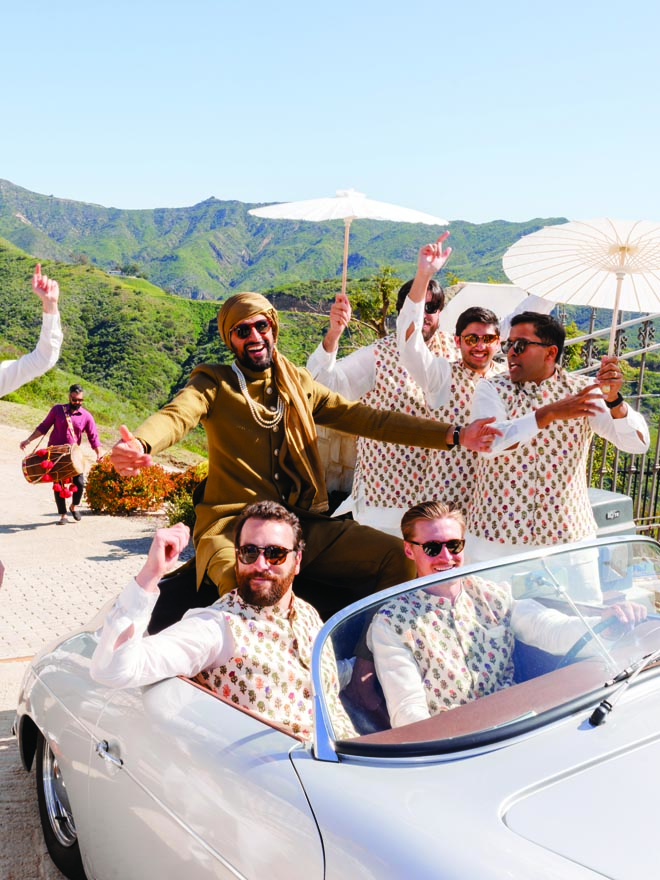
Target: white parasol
(608, 264)
(346, 205)
(503, 299)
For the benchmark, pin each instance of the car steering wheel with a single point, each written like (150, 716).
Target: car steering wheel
(571, 655)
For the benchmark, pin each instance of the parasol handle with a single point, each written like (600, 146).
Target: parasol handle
(344, 271)
(615, 319)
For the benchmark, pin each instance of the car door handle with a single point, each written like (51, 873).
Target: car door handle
(103, 751)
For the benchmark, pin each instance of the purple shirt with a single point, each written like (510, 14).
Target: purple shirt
(81, 419)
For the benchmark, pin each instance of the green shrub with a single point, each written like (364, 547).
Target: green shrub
(179, 506)
(109, 492)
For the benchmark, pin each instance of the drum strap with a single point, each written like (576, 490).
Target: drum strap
(70, 426)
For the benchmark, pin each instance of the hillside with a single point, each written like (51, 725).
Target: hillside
(131, 344)
(209, 250)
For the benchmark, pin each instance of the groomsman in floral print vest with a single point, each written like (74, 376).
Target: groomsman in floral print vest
(532, 485)
(253, 647)
(389, 477)
(391, 374)
(448, 385)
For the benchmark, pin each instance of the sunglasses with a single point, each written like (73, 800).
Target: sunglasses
(519, 345)
(244, 330)
(249, 553)
(434, 548)
(473, 338)
(432, 306)
(75, 400)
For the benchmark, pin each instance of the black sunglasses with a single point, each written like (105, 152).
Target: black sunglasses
(432, 306)
(244, 330)
(434, 548)
(249, 553)
(519, 345)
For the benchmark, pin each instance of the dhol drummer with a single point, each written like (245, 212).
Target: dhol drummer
(68, 421)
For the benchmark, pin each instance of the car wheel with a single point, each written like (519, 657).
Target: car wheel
(55, 813)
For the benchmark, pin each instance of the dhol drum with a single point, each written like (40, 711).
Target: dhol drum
(53, 464)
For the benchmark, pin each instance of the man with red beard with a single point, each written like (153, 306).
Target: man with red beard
(264, 668)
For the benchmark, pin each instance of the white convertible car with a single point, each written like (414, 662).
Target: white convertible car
(553, 776)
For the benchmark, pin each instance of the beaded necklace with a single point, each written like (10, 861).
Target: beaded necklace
(266, 418)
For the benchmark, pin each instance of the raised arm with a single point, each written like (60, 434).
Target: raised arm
(351, 376)
(616, 420)
(126, 657)
(15, 373)
(432, 373)
(340, 315)
(430, 259)
(47, 289)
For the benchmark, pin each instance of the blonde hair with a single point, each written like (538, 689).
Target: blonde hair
(429, 510)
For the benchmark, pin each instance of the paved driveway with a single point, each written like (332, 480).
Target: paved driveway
(56, 578)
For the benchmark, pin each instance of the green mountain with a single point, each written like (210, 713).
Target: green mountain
(133, 343)
(212, 249)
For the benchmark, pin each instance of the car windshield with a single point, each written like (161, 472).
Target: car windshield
(485, 652)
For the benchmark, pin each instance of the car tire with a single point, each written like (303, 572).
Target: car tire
(55, 813)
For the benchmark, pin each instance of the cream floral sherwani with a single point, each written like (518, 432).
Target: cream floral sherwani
(432, 655)
(462, 651)
(269, 672)
(257, 658)
(454, 480)
(390, 474)
(536, 492)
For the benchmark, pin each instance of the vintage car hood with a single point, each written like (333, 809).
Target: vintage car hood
(568, 800)
(619, 799)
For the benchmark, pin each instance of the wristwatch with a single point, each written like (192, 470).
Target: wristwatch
(612, 404)
(456, 437)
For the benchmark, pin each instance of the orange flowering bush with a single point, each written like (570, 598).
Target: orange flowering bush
(179, 506)
(109, 492)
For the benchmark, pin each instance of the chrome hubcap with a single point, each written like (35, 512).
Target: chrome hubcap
(57, 801)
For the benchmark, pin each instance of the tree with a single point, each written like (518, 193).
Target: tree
(451, 279)
(373, 302)
(571, 359)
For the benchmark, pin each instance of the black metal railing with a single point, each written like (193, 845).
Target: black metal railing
(608, 468)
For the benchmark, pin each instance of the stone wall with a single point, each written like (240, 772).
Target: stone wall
(338, 454)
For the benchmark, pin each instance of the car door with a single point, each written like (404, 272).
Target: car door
(191, 787)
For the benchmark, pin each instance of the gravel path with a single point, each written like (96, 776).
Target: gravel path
(56, 579)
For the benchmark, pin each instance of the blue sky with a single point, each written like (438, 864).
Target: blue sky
(477, 112)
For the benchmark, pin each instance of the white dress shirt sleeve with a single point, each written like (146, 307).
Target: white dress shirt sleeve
(552, 631)
(13, 374)
(486, 403)
(432, 373)
(547, 628)
(623, 433)
(201, 640)
(351, 376)
(398, 674)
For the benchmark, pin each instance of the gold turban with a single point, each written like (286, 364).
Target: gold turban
(242, 306)
(306, 466)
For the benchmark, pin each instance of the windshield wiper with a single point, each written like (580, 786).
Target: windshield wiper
(626, 678)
